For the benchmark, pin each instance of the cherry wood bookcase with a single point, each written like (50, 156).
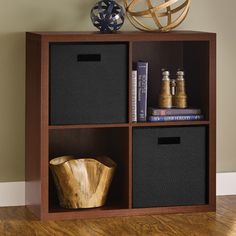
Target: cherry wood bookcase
(193, 51)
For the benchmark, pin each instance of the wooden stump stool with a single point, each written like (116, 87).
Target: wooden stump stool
(82, 182)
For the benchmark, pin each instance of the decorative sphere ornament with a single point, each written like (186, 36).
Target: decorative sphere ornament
(156, 15)
(107, 16)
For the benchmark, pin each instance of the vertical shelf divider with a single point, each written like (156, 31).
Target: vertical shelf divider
(212, 126)
(130, 122)
(45, 127)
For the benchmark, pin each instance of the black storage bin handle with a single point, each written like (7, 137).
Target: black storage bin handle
(168, 140)
(88, 57)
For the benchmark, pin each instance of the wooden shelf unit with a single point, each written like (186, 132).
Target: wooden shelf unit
(193, 51)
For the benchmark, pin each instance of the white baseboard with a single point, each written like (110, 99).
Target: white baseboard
(226, 183)
(13, 193)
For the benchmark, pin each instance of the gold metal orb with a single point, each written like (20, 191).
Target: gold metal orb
(156, 15)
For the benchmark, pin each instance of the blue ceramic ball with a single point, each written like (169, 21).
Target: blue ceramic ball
(107, 16)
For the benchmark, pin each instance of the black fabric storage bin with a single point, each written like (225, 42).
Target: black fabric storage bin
(169, 166)
(88, 83)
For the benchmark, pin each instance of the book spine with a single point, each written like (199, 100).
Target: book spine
(174, 118)
(134, 96)
(142, 79)
(171, 112)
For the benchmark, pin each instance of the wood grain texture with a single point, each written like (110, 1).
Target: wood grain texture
(125, 36)
(33, 116)
(82, 182)
(19, 221)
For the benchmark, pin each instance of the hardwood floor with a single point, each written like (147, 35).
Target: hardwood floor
(18, 221)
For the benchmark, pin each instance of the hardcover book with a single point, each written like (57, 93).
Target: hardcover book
(134, 95)
(173, 111)
(142, 80)
(174, 118)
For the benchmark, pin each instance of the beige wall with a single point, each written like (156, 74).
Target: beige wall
(19, 16)
(219, 16)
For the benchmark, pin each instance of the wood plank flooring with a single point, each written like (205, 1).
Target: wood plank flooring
(20, 222)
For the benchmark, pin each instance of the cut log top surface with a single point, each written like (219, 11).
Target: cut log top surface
(102, 159)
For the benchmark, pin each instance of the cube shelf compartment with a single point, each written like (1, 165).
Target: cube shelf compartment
(111, 142)
(174, 170)
(78, 102)
(99, 71)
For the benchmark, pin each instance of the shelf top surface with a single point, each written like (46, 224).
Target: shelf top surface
(123, 35)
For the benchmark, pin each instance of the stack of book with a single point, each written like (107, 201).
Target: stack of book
(158, 115)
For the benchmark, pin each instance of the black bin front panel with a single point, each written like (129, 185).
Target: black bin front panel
(169, 166)
(88, 83)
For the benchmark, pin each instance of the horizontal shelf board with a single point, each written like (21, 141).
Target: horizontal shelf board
(136, 124)
(81, 126)
(111, 211)
(172, 123)
(58, 209)
(126, 36)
